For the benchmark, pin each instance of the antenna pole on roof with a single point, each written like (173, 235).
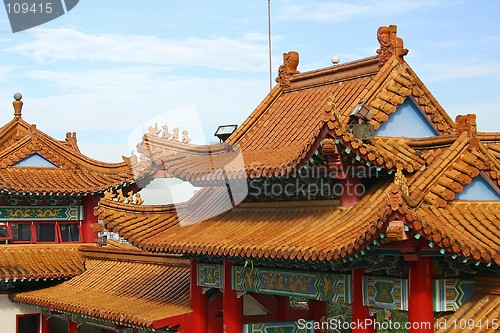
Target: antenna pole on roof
(269, 39)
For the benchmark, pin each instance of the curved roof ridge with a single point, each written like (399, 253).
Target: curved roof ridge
(420, 182)
(40, 261)
(75, 172)
(157, 297)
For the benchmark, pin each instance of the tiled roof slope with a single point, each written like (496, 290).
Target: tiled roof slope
(276, 231)
(127, 287)
(425, 198)
(287, 127)
(467, 228)
(33, 261)
(282, 133)
(449, 168)
(301, 230)
(74, 173)
(430, 172)
(479, 314)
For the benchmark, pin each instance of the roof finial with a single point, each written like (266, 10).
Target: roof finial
(289, 68)
(18, 104)
(390, 44)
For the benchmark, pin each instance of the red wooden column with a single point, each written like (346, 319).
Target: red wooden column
(232, 306)
(363, 322)
(352, 190)
(317, 312)
(283, 308)
(45, 324)
(72, 328)
(421, 307)
(89, 202)
(199, 302)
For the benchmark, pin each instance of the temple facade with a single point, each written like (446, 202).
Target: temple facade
(347, 184)
(48, 191)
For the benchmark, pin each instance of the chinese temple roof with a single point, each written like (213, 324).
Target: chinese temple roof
(32, 162)
(480, 311)
(313, 111)
(121, 286)
(311, 231)
(34, 261)
(288, 126)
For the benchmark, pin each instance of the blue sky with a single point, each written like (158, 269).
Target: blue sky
(108, 67)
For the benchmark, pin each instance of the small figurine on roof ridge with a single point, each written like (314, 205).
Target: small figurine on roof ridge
(401, 182)
(175, 135)
(165, 134)
(154, 130)
(390, 44)
(289, 68)
(332, 110)
(185, 137)
(138, 199)
(120, 197)
(109, 194)
(133, 157)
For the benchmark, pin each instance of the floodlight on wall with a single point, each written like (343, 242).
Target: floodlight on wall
(361, 112)
(101, 240)
(359, 122)
(224, 132)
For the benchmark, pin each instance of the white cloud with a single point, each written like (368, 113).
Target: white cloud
(487, 114)
(5, 71)
(248, 54)
(105, 152)
(344, 11)
(460, 69)
(120, 99)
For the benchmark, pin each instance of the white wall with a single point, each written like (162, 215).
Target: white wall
(8, 312)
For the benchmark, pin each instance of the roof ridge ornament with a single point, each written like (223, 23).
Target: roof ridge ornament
(289, 68)
(401, 182)
(332, 110)
(130, 198)
(466, 123)
(18, 105)
(165, 134)
(390, 44)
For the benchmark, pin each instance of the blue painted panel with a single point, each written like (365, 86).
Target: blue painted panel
(299, 326)
(35, 160)
(478, 189)
(407, 121)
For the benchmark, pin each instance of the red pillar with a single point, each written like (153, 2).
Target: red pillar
(363, 322)
(283, 308)
(45, 324)
(232, 306)
(89, 202)
(421, 308)
(352, 190)
(72, 328)
(318, 313)
(199, 302)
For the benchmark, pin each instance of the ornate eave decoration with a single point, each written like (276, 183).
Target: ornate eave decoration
(289, 68)
(390, 44)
